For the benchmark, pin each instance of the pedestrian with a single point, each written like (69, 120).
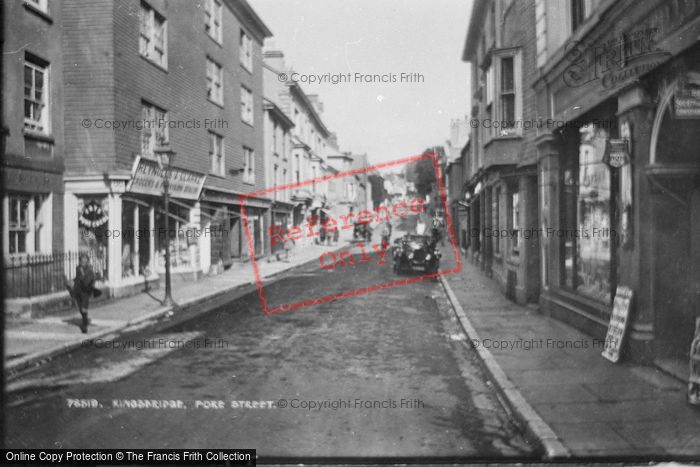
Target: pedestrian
(83, 287)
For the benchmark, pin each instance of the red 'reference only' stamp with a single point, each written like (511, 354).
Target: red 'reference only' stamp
(329, 260)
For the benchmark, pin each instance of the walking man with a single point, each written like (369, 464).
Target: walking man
(83, 287)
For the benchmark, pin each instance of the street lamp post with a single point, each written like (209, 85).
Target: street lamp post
(165, 157)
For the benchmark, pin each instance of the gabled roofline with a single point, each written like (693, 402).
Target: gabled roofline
(475, 26)
(245, 13)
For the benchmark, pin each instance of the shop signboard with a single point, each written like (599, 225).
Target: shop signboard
(617, 153)
(147, 179)
(618, 324)
(686, 101)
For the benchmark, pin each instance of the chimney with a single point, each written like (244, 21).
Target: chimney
(333, 140)
(316, 102)
(275, 59)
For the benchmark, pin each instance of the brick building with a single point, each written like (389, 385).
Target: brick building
(500, 173)
(142, 75)
(278, 144)
(34, 149)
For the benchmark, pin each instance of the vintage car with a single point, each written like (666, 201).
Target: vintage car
(416, 253)
(362, 231)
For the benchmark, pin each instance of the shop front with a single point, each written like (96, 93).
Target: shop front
(120, 222)
(580, 227)
(221, 213)
(258, 214)
(619, 184)
(281, 219)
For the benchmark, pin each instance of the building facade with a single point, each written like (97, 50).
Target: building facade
(501, 176)
(144, 78)
(33, 153)
(624, 80)
(278, 145)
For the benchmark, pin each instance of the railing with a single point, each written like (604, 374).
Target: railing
(41, 274)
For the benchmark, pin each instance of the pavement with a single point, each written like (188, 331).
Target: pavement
(559, 386)
(30, 341)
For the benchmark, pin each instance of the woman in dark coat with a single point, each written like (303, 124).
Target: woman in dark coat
(83, 288)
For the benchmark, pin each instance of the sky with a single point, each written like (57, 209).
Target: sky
(385, 120)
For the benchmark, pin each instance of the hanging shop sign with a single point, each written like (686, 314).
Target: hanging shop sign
(617, 152)
(618, 323)
(147, 178)
(92, 215)
(694, 379)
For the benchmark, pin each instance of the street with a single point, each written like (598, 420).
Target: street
(385, 374)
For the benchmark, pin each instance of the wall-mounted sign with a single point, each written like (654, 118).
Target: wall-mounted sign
(618, 323)
(617, 152)
(686, 101)
(92, 215)
(147, 179)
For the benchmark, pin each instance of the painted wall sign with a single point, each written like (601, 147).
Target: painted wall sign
(618, 324)
(147, 179)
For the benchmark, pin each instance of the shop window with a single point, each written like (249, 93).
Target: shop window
(179, 238)
(213, 19)
(93, 225)
(129, 234)
(36, 97)
(155, 128)
(153, 36)
(587, 215)
(515, 223)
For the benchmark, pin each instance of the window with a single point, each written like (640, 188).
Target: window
(297, 168)
(274, 138)
(507, 92)
(589, 194)
(18, 224)
(155, 128)
(246, 106)
(246, 51)
(212, 19)
(215, 77)
(515, 221)
(579, 12)
(36, 99)
(508, 96)
(153, 42)
(216, 154)
(496, 220)
(41, 5)
(489, 85)
(248, 165)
